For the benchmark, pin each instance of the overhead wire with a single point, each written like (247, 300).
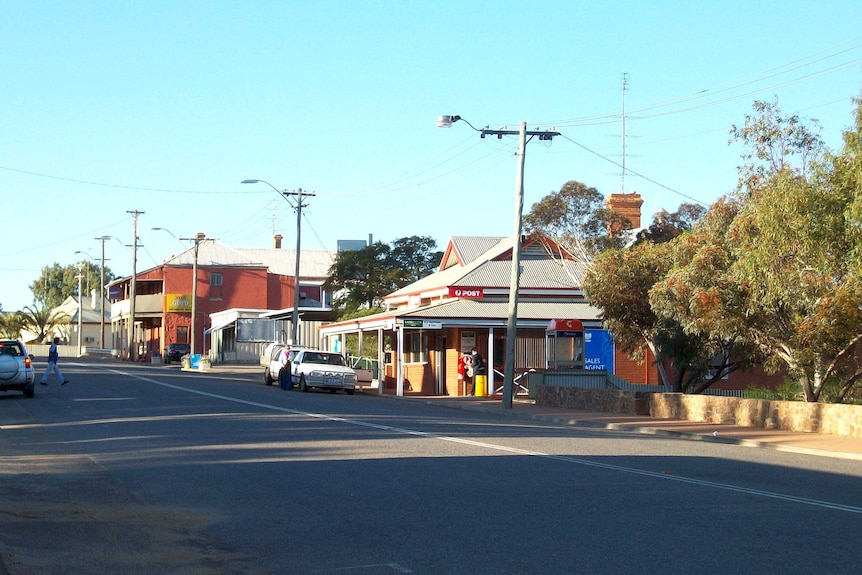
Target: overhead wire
(633, 172)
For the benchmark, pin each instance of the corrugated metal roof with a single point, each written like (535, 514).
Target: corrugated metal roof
(485, 311)
(471, 247)
(539, 270)
(488, 310)
(312, 263)
(212, 253)
(537, 274)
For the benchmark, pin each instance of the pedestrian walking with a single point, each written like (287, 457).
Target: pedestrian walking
(53, 356)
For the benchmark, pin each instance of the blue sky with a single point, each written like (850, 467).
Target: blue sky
(164, 107)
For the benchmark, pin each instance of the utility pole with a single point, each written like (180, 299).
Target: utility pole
(133, 353)
(199, 237)
(294, 319)
(515, 278)
(80, 306)
(102, 294)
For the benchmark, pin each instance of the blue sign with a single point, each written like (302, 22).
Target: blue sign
(598, 350)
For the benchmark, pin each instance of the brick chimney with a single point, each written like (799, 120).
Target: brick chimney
(628, 205)
(277, 239)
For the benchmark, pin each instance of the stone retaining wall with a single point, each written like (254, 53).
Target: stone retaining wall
(833, 418)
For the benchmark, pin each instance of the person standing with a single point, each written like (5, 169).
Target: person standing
(53, 357)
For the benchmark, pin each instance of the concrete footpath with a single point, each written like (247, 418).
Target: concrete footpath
(808, 443)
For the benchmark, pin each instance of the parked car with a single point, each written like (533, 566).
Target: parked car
(276, 364)
(322, 369)
(277, 369)
(176, 351)
(268, 353)
(16, 368)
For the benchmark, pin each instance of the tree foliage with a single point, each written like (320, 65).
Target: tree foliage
(360, 278)
(777, 267)
(416, 257)
(41, 320)
(665, 226)
(773, 141)
(577, 218)
(10, 324)
(57, 282)
(620, 283)
(772, 274)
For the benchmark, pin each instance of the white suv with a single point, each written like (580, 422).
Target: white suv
(16, 367)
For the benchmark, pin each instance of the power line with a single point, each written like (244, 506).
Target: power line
(634, 173)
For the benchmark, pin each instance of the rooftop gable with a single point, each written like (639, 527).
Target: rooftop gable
(546, 265)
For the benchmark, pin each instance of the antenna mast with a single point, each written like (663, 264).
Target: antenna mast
(623, 175)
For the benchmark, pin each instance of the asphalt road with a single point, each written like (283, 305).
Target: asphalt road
(146, 469)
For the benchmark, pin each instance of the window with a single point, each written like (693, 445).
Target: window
(216, 283)
(415, 347)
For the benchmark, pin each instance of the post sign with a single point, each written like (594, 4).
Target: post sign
(467, 292)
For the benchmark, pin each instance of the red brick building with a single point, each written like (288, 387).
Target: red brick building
(227, 278)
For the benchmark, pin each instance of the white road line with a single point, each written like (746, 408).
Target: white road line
(491, 446)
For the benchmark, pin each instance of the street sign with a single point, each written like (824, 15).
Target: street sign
(423, 324)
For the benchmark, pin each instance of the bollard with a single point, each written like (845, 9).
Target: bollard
(480, 385)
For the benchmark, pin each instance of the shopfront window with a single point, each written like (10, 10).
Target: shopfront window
(415, 347)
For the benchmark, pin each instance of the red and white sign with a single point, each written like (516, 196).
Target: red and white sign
(470, 293)
(565, 324)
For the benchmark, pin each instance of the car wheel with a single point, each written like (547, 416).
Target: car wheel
(267, 377)
(29, 391)
(302, 387)
(350, 391)
(333, 389)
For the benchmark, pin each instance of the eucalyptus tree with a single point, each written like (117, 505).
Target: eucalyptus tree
(778, 266)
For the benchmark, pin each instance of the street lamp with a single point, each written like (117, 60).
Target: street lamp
(514, 281)
(294, 319)
(80, 296)
(170, 232)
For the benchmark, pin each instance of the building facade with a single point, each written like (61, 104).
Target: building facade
(227, 278)
(432, 324)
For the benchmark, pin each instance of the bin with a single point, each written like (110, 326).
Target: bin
(195, 361)
(155, 359)
(480, 385)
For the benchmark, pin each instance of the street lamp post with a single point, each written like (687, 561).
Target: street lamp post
(515, 278)
(300, 194)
